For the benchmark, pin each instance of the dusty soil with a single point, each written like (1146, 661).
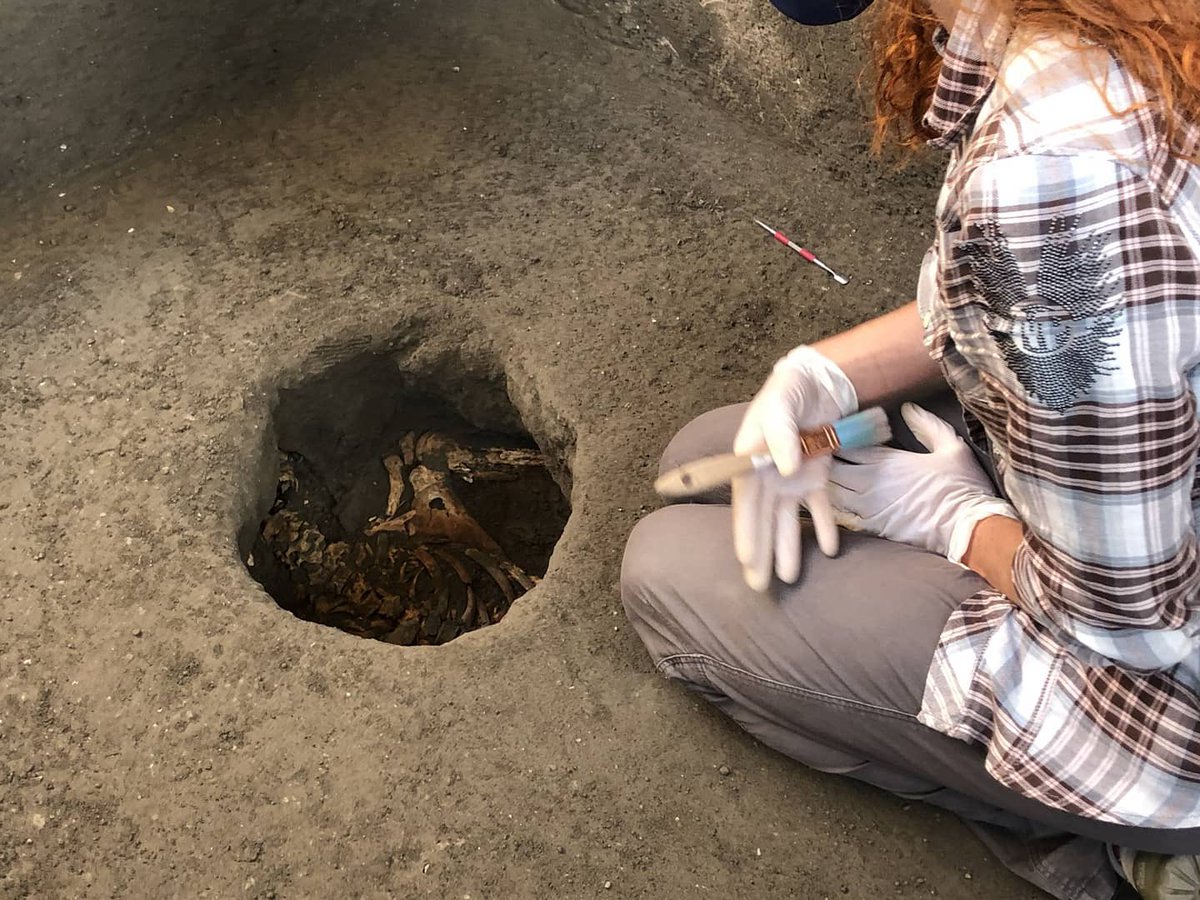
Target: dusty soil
(551, 197)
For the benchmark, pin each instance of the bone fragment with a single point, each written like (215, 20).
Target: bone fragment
(497, 463)
(395, 470)
(408, 448)
(440, 514)
(399, 523)
(490, 565)
(517, 574)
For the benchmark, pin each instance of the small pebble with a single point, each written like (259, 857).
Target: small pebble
(725, 770)
(137, 632)
(607, 885)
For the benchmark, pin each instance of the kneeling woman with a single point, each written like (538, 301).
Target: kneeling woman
(1012, 630)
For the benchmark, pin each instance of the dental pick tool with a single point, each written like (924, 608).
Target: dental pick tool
(807, 254)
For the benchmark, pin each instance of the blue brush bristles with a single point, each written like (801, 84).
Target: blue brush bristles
(863, 429)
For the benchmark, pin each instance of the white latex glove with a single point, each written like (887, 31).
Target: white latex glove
(805, 390)
(931, 500)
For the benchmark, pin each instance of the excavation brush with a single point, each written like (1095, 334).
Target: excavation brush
(807, 254)
(867, 428)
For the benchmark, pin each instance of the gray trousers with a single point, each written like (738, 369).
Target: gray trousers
(831, 671)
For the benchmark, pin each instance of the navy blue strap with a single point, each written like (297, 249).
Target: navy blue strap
(821, 12)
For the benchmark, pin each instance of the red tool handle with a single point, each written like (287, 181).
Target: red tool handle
(787, 242)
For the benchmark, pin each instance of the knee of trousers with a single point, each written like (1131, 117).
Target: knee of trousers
(709, 433)
(648, 582)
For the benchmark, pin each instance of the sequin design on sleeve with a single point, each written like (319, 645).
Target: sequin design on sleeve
(1059, 338)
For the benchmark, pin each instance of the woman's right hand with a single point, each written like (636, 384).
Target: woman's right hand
(805, 390)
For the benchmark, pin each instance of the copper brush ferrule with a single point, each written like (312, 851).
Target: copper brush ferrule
(821, 440)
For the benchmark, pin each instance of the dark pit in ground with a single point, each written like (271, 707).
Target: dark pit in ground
(397, 518)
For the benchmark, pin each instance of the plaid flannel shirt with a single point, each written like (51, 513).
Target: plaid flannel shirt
(1061, 298)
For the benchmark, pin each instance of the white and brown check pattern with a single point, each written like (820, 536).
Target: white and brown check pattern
(1062, 300)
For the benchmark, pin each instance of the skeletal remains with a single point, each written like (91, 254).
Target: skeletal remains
(424, 572)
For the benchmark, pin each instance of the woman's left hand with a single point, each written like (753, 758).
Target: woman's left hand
(932, 500)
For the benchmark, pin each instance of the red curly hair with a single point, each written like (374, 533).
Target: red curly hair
(1157, 41)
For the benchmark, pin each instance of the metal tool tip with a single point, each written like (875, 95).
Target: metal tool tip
(841, 279)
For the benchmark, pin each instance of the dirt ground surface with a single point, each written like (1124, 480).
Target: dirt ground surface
(549, 201)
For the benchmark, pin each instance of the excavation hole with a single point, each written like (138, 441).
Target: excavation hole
(402, 513)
